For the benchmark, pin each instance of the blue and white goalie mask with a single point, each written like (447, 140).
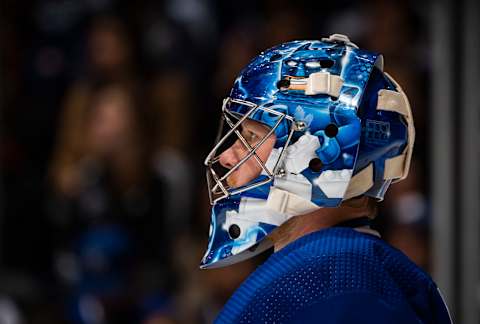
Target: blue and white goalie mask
(307, 125)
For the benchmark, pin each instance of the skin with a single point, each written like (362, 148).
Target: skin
(253, 132)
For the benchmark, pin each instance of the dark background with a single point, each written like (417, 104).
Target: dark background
(108, 108)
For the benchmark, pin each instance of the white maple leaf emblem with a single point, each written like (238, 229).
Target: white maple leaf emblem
(300, 116)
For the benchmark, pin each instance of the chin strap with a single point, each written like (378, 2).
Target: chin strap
(288, 203)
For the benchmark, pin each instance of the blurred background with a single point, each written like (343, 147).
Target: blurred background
(108, 108)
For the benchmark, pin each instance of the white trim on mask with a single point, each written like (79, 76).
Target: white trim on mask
(299, 154)
(334, 183)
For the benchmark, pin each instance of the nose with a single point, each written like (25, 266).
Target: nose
(230, 157)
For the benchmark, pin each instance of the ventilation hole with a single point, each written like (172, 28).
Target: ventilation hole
(326, 63)
(275, 57)
(234, 231)
(283, 84)
(315, 165)
(331, 130)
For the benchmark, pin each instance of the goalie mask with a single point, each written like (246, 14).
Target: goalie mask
(307, 125)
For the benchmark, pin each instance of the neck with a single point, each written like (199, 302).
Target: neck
(322, 218)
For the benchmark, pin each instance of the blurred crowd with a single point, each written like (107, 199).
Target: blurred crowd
(107, 109)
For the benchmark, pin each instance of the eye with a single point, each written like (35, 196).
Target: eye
(250, 136)
(313, 64)
(292, 63)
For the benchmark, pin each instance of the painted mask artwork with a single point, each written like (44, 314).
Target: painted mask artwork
(307, 125)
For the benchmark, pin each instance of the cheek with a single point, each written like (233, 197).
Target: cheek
(264, 151)
(251, 167)
(247, 172)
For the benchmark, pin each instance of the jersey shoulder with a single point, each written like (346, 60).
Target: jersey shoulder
(326, 265)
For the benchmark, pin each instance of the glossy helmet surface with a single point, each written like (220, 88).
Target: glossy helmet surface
(343, 128)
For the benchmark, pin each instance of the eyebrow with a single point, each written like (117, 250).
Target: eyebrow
(256, 127)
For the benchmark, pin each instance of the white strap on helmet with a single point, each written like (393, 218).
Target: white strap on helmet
(285, 202)
(256, 210)
(324, 83)
(360, 183)
(397, 167)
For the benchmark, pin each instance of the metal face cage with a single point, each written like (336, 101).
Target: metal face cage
(217, 184)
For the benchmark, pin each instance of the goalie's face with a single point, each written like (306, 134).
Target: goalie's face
(242, 158)
(253, 132)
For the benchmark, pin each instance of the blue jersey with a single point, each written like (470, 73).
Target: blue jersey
(337, 275)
